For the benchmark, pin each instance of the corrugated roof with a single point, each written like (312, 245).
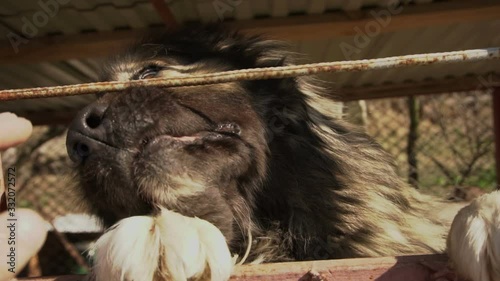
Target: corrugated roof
(106, 15)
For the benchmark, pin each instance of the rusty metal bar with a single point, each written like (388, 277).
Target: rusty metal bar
(256, 74)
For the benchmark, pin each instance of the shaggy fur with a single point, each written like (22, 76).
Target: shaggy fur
(264, 157)
(474, 240)
(178, 248)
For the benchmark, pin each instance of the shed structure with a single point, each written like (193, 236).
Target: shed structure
(61, 42)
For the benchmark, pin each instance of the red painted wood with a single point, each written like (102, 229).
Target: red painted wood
(407, 268)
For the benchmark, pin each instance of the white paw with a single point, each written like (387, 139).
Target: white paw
(169, 247)
(474, 239)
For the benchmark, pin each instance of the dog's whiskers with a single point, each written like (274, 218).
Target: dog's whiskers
(249, 247)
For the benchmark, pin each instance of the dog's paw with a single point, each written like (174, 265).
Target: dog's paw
(474, 239)
(169, 247)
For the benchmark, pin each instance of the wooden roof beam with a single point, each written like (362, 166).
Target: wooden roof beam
(307, 27)
(426, 87)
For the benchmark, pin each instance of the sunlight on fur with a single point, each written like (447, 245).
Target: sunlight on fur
(474, 239)
(178, 248)
(264, 169)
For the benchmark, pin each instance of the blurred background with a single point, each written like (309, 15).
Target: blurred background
(438, 122)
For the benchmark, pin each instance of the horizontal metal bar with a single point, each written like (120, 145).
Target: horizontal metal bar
(257, 74)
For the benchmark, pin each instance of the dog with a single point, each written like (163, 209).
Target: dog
(256, 169)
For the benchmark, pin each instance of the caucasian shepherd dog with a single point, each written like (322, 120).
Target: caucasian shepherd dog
(192, 177)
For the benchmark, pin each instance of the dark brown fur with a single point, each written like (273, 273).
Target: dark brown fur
(306, 185)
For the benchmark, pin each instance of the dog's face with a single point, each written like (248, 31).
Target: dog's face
(264, 157)
(198, 150)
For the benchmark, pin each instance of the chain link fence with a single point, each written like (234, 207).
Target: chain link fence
(438, 141)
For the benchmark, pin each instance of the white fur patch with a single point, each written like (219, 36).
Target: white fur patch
(167, 247)
(120, 253)
(184, 186)
(474, 239)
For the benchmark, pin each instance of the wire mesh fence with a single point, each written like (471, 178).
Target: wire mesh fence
(449, 136)
(437, 141)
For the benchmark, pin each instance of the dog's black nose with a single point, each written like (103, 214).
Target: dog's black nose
(87, 132)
